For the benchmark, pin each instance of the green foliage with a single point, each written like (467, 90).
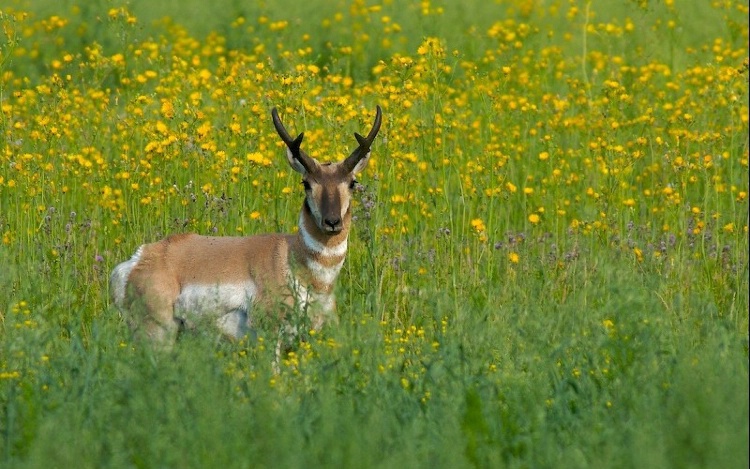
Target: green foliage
(549, 262)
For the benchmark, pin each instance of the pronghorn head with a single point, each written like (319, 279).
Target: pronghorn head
(328, 186)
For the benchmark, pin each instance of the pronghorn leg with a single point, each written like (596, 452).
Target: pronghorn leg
(161, 335)
(153, 308)
(235, 324)
(288, 335)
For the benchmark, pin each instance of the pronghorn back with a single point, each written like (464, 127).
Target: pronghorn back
(167, 283)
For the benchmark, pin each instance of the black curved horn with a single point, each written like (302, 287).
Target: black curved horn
(292, 143)
(364, 142)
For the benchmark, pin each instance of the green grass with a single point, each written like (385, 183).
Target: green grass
(549, 266)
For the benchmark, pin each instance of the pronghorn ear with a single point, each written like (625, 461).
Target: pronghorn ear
(362, 163)
(356, 162)
(297, 159)
(295, 163)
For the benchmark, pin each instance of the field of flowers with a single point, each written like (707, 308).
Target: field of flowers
(549, 259)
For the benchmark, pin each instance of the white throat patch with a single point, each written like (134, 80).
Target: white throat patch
(316, 246)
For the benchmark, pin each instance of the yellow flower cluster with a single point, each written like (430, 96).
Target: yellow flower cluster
(645, 132)
(529, 135)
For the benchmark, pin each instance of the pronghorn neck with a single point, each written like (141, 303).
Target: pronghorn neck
(319, 255)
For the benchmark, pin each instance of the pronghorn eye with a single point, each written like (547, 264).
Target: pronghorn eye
(353, 184)
(306, 185)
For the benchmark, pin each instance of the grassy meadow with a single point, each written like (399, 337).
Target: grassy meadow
(548, 266)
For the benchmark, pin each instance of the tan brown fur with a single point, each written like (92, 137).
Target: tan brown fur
(230, 276)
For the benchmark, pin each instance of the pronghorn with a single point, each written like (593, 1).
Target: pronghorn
(168, 283)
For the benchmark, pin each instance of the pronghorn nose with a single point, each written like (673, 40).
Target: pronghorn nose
(332, 222)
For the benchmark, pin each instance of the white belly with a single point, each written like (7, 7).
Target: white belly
(230, 304)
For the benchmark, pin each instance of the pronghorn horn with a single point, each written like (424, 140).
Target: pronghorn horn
(364, 142)
(292, 143)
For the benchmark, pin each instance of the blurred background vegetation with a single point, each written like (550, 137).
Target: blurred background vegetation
(549, 266)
